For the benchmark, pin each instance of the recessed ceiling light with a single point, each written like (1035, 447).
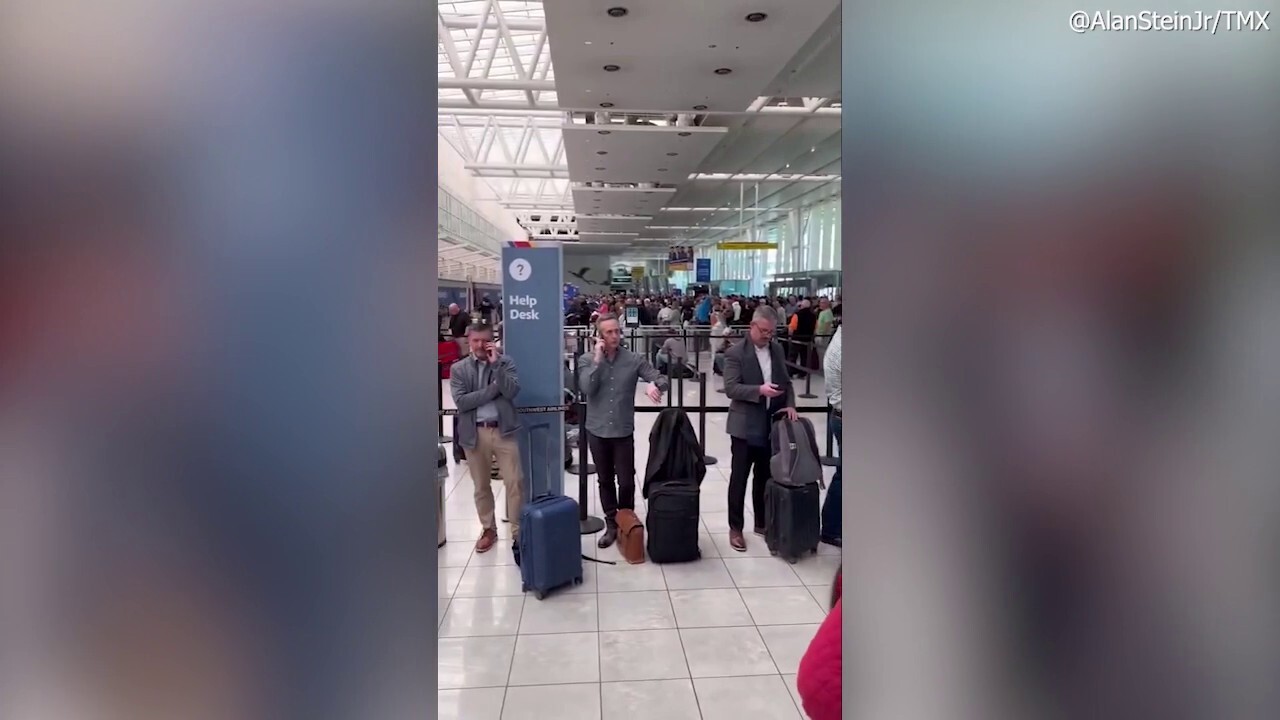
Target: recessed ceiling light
(662, 169)
(813, 149)
(603, 132)
(699, 107)
(617, 12)
(672, 154)
(606, 104)
(600, 168)
(684, 134)
(606, 152)
(723, 71)
(753, 17)
(586, 42)
(611, 68)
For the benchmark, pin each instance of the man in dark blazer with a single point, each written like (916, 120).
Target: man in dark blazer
(759, 388)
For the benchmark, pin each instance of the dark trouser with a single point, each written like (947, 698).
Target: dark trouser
(831, 506)
(800, 352)
(747, 458)
(615, 458)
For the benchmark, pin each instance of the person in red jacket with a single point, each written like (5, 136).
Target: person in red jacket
(818, 679)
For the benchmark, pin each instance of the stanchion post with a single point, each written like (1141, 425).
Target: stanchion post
(670, 385)
(588, 524)
(829, 459)
(830, 433)
(702, 421)
(580, 406)
(808, 380)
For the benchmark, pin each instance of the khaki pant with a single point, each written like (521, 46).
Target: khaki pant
(491, 445)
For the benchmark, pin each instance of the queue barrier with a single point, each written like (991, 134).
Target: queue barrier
(589, 524)
(532, 409)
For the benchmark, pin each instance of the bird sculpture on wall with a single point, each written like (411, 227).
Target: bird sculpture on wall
(582, 275)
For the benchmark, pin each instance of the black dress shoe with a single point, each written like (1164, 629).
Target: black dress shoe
(610, 535)
(515, 552)
(832, 541)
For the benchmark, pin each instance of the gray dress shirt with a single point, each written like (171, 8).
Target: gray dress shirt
(487, 412)
(610, 390)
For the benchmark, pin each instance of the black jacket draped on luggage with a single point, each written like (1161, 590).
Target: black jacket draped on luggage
(674, 451)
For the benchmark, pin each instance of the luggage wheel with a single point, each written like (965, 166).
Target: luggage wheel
(577, 581)
(773, 553)
(793, 561)
(541, 594)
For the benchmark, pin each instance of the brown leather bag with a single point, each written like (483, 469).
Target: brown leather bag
(630, 537)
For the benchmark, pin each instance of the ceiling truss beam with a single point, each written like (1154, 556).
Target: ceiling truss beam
(446, 106)
(471, 22)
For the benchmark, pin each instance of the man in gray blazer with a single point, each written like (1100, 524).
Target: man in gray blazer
(484, 384)
(758, 385)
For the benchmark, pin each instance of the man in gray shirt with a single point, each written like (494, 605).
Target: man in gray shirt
(608, 380)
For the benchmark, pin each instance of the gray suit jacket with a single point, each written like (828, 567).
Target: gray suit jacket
(749, 411)
(464, 384)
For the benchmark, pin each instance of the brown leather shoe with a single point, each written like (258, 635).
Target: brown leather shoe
(487, 540)
(736, 541)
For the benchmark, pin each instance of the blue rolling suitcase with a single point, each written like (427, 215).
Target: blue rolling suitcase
(550, 544)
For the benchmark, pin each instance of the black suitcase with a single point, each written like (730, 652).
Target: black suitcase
(793, 519)
(672, 523)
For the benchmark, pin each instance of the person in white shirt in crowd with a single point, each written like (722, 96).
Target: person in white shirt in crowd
(831, 516)
(666, 314)
(720, 334)
(673, 353)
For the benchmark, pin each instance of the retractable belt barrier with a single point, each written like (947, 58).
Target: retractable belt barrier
(583, 468)
(450, 412)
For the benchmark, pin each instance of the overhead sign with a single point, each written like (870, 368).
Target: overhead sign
(702, 273)
(532, 294)
(746, 246)
(680, 257)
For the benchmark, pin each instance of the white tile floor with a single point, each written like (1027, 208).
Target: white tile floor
(717, 639)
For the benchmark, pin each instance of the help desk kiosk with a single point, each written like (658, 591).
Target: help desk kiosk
(532, 335)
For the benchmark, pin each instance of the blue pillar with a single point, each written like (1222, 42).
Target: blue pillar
(532, 334)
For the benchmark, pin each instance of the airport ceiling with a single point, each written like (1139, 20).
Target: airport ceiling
(631, 125)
